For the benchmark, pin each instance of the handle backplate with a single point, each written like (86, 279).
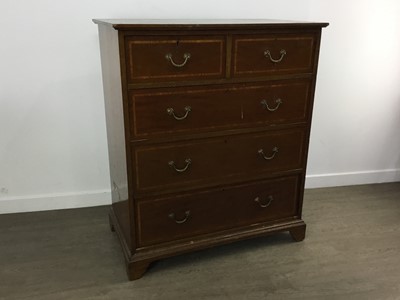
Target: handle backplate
(264, 204)
(267, 54)
(180, 221)
(188, 161)
(186, 57)
(265, 105)
(274, 152)
(171, 112)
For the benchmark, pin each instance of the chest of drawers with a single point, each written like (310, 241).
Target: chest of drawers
(208, 125)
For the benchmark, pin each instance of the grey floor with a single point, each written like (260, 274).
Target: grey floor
(351, 251)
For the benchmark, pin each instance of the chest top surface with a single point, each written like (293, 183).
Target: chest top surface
(166, 24)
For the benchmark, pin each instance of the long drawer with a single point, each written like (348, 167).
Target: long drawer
(273, 54)
(182, 216)
(183, 165)
(173, 58)
(182, 110)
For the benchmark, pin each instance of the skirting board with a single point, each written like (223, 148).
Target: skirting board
(54, 201)
(352, 178)
(103, 197)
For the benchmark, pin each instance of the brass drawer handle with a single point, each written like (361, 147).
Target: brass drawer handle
(264, 205)
(278, 102)
(267, 53)
(274, 152)
(186, 57)
(171, 112)
(172, 216)
(188, 161)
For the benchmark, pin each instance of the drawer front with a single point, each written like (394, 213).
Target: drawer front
(168, 58)
(183, 110)
(185, 216)
(187, 165)
(275, 54)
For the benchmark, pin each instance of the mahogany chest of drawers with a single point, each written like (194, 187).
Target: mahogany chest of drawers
(208, 125)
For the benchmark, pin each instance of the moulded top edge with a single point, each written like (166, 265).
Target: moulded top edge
(165, 24)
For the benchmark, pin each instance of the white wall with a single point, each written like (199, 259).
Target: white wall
(355, 135)
(53, 151)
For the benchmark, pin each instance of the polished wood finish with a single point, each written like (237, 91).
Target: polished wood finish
(250, 59)
(115, 109)
(147, 61)
(211, 148)
(218, 108)
(206, 24)
(189, 215)
(217, 160)
(298, 233)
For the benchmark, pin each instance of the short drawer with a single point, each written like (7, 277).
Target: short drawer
(273, 54)
(169, 58)
(187, 110)
(187, 216)
(206, 162)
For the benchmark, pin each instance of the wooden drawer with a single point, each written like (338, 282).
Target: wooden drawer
(184, 110)
(166, 58)
(273, 54)
(186, 165)
(184, 216)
